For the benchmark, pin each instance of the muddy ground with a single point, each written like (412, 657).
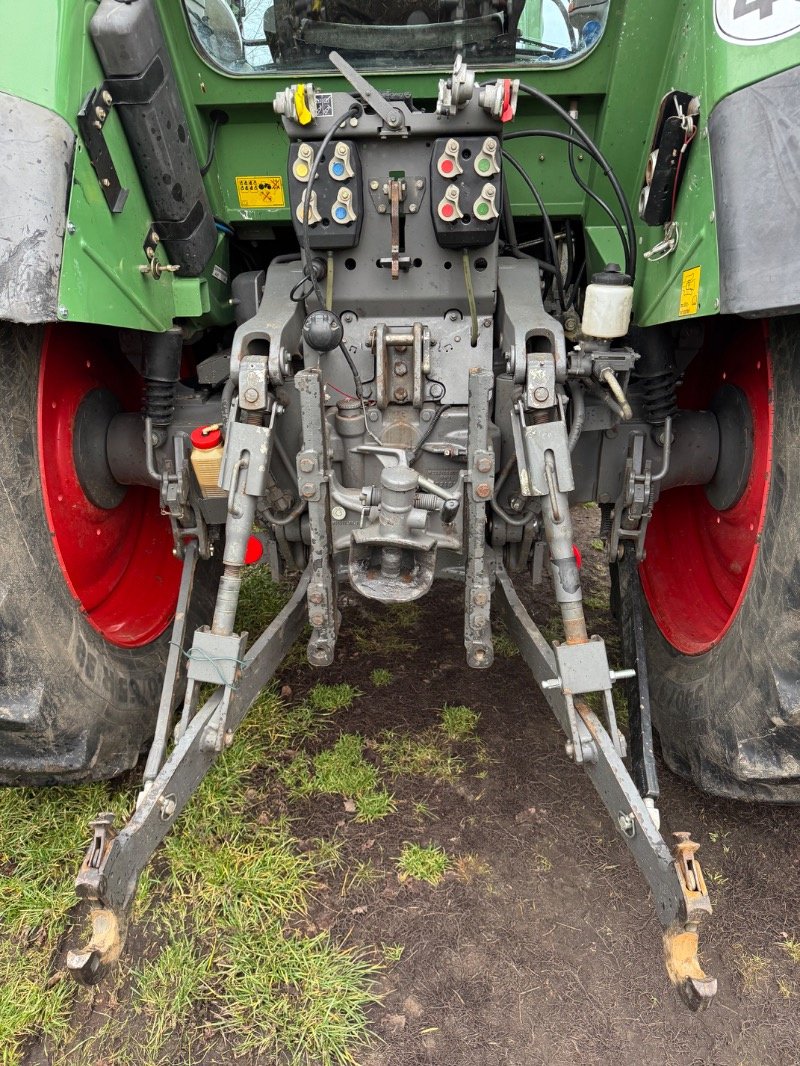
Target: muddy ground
(545, 948)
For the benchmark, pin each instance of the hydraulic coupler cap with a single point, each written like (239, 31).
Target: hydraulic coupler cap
(611, 275)
(205, 437)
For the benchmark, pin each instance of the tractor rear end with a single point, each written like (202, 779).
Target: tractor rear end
(376, 293)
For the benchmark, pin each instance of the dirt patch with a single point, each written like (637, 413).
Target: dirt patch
(545, 947)
(540, 944)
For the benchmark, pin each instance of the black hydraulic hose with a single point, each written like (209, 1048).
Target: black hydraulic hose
(572, 142)
(548, 101)
(548, 226)
(509, 225)
(598, 200)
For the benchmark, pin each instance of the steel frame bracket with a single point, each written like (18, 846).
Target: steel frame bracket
(675, 879)
(115, 860)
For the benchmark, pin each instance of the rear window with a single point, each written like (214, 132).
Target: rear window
(295, 36)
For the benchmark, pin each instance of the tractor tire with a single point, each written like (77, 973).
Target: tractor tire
(721, 579)
(87, 593)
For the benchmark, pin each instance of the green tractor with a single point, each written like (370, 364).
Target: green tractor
(375, 292)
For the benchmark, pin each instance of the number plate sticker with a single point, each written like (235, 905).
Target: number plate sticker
(756, 21)
(260, 191)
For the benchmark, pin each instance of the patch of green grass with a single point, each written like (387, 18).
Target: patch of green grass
(302, 1000)
(428, 864)
(343, 770)
(424, 754)
(332, 697)
(258, 868)
(381, 677)
(597, 603)
(792, 949)
(502, 643)
(380, 640)
(362, 875)
(405, 615)
(328, 854)
(422, 810)
(43, 835)
(458, 723)
(372, 806)
(170, 987)
(260, 600)
(392, 952)
(552, 629)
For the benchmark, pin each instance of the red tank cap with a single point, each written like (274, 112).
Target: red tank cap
(205, 437)
(576, 552)
(255, 549)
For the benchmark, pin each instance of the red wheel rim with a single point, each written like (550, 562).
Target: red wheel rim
(699, 560)
(118, 564)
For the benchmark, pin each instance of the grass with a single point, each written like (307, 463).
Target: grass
(392, 952)
(213, 910)
(502, 643)
(374, 805)
(428, 864)
(331, 698)
(753, 970)
(380, 677)
(343, 770)
(425, 754)
(792, 949)
(380, 640)
(458, 723)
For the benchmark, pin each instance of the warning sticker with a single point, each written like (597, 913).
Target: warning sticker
(260, 191)
(690, 292)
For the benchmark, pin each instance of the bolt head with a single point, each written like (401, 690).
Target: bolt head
(419, 183)
(315, 598)
(338, 513)
(381, 209)
(412, 209)
(400, 369)
(541, 394)
(63, 312)
(483, 491)
(317, 619)
(373, 416)
(401, 395)
(374, 185)
(106, 183)
(251, 395)
(484, 464)
(480, 598)
(453, 316)
(308, 490)
(306, 465)
(70, 227)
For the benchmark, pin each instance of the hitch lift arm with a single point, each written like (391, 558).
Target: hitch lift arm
(114, 862)
(675, 880)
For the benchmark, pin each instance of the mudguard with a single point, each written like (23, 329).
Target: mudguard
(36, 155)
